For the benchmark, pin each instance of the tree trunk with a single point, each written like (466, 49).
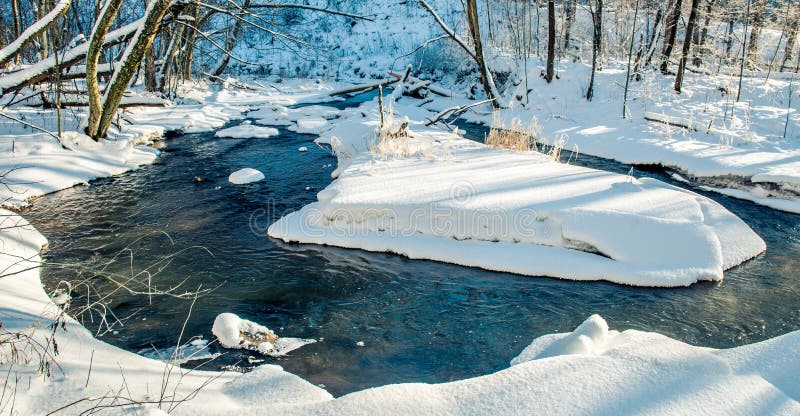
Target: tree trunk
(571, 6)
(597, 24)
(132, 57)
(191, 38)
(671, 31)
(651, 44)
(107, 15)
(687, 44)
(230, 43)
(751, 58)
(17, 25)
(791, 36)
(150, 82)
(169, 57)
(700, 50)
(474, 30)
(551, 40)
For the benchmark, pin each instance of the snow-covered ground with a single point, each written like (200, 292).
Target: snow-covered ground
(731, 145)
(590, 370)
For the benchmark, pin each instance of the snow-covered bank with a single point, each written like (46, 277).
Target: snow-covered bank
(743, 142)
(34, 163)
(441, 197)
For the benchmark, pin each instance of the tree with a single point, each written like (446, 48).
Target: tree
(671, 31)
(597, 33)
(129, 63)
(107, 15)
(480, 59)
(551, 40)
(758, 10)
(477, 53)
(792, 27)
(35, 30)
(687, 44)
(571, 6)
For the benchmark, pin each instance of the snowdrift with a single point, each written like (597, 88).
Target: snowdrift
(442, 197)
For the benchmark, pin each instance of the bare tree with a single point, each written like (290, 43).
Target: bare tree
(671, 31)
(758, 11)
(792, 27)
(597, 25)
(129, 63)
(551, 40)
(35, 30)
(477, 53)
(687, 44)
(107, 15)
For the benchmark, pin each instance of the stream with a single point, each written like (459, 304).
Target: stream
(419, 321)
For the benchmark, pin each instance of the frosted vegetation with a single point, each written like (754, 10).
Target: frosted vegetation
(704, 91)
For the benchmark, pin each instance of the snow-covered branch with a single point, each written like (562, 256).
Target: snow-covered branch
(15, 47)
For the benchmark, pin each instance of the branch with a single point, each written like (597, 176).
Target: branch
(316, 9)
(42, 70)
(13, 48)
(449, 31)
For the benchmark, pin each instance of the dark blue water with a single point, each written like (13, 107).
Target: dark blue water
(420, 321)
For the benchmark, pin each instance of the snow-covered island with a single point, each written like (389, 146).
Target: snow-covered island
(602, 144)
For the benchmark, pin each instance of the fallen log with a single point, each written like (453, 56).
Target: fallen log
(362, 88)
(47, 100)
(43, 70)
(432, 88)
(456, 111)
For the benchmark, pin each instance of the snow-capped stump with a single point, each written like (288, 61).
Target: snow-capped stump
(237, 333)
(244, 176)
(247, 131)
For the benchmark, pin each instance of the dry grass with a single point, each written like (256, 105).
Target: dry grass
(392, 137)
(516, 136)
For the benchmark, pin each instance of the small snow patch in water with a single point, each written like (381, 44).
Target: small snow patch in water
(237, 333)
(302, 149)
(246, 175)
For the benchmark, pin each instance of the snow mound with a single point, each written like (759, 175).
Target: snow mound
(247, 131)
(588, 338)
(449, 199)
(236, 333)
(310, 125)
(244, 176)
(302, 149)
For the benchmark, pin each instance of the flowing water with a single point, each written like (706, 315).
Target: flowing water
(419, 321)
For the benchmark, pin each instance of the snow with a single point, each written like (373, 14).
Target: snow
(245, 176)
(743, 141)
(234, 332)
(246, 131)
(302, 149)
(590, 370)
(441, 197)
(310, 125)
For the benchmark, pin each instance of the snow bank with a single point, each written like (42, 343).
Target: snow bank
(234, 332)
(247, 131)
(449, 199)
(310, 125)
(244, 176)
(746, 142)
